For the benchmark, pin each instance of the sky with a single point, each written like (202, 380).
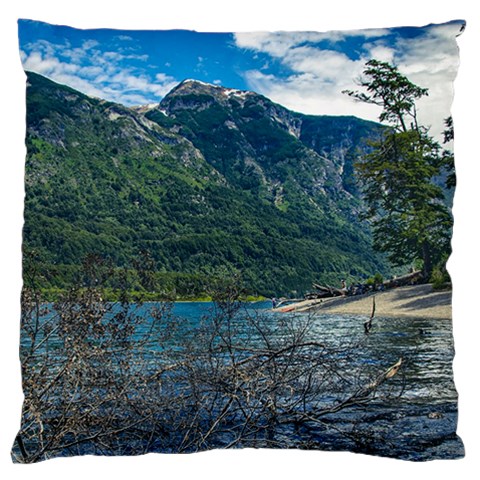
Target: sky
(304, 71)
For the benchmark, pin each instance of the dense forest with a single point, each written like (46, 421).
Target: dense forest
(210, 182)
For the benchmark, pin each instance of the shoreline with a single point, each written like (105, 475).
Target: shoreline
(416, 301)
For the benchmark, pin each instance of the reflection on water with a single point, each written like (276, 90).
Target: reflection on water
(413, 416)
(421, 423)
(426, 345)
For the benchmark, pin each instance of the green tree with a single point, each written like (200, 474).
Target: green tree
(406, 207)
(448, 161)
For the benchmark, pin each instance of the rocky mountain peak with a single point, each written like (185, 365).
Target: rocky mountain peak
(196, 94)
(190, 85)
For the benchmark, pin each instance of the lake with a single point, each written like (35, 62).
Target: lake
(420, 424)
(194, 376)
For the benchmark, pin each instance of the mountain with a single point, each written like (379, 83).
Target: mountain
(259, 145)
(210, 181)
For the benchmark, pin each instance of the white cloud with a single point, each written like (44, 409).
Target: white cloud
(382, 52)
(47, 65)
(97, 73)
(307, 93)
(318, 75)
(278, 44)
(432, 62)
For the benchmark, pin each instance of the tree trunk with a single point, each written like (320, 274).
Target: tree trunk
(427, 261)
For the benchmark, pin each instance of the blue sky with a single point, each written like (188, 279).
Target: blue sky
(305, 71)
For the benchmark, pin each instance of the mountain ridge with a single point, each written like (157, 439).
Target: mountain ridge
(219, 187)
(235, 111)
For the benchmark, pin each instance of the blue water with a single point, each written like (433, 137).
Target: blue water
(415, 420)
(425, 345)
(195, 310)
(421, 422)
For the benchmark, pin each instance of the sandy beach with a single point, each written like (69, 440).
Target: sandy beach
(411, 301)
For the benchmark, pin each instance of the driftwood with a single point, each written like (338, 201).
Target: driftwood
(361, 396)
(328, 291)
(368, 323)
(389, 373)
(284, 301)
(302, 306)
(404, 280)
(317, 295)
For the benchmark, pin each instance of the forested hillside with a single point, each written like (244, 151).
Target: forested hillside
(210, 182)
